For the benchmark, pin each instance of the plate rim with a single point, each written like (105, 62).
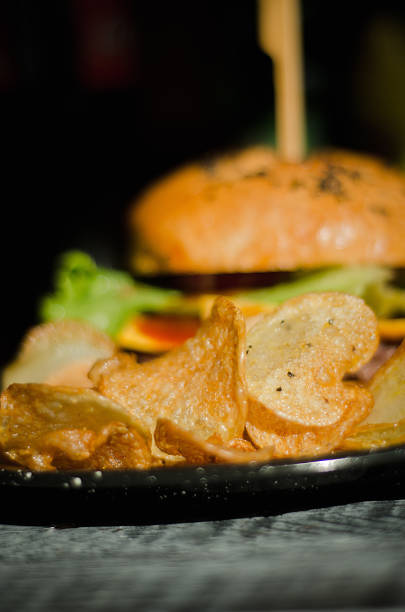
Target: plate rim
(190, 476)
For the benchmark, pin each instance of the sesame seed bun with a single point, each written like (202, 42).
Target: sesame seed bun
(251, 212)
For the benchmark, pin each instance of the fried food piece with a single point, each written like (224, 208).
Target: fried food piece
(385, 425)
(44, 427)
(59, 353)
(388, 389)
(290, 439)
(175, 440)
(124, 448)
(200, 386)
(296, 359)
(375, 435)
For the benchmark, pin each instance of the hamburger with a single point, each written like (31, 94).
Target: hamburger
(257, 229)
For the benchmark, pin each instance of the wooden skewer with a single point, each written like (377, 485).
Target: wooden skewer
(280, 37)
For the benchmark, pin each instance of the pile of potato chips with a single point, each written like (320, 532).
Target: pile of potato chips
(72, 400)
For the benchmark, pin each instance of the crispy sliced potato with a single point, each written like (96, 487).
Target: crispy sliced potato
(200, 386)
(388, 389)
(375, 435)
(59, 353)
(174, 440)
(296, 359)
(289, 439)
(44, 427)
(385, 425)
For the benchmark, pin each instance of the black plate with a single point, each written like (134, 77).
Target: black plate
(198, 493)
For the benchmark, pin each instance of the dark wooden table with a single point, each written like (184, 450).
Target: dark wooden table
(348, 557)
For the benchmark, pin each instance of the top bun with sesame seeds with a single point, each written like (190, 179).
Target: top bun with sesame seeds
(251, 212)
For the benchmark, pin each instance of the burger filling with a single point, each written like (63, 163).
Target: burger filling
(153, 319)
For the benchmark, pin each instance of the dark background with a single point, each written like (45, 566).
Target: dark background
(98, 97)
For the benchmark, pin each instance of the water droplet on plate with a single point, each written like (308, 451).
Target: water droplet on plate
(151, 480)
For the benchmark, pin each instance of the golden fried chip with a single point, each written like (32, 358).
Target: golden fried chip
(375, 435)
(200, 386)
(289, 439)
(174, 440)
(385, 425)
(59, 353)
(296, 359)
(388, 389)
(48, 427)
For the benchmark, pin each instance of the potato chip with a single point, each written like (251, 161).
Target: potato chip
(175, 440)
(375, 435)
(385, 425)
(59, 353)
(289, 439)
(388, 389)
(200, 386)
(48, 427)
(296, 359)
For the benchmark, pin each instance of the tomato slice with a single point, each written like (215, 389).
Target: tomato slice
(157, 333)
(173, 329)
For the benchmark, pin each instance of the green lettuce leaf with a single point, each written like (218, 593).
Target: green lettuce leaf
(386, 301)
(106, 298)
(369, 282)
(109, 298)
